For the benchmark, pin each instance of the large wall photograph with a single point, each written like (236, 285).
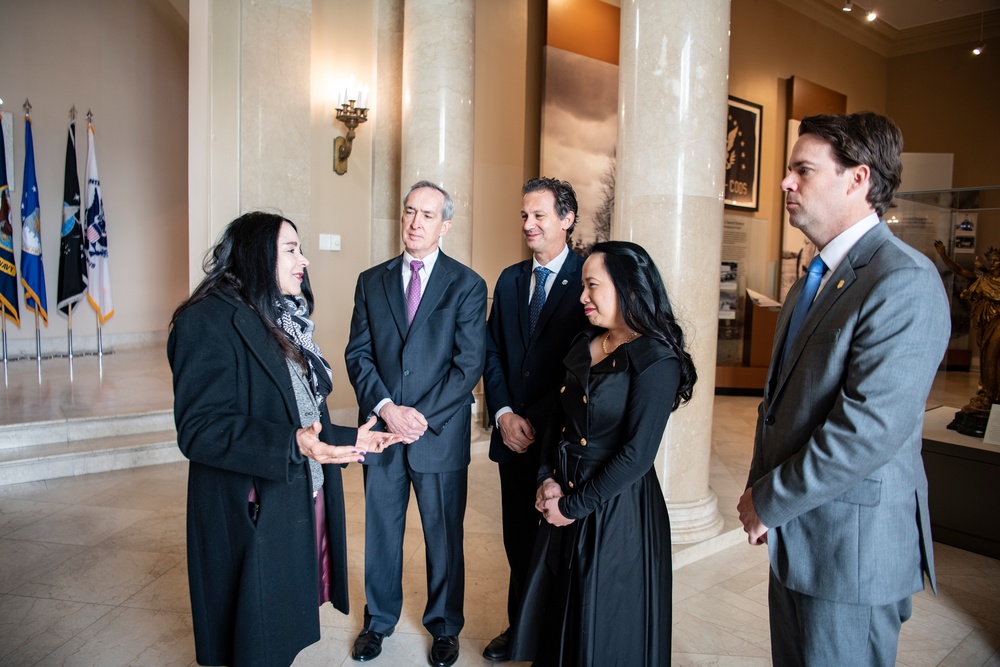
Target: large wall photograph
(579, 132)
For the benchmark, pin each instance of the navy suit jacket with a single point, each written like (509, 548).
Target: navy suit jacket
(525, 371)
(432, 365)
(837, 474)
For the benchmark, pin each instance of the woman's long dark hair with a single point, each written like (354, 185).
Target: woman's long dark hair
(643, 302)
(243, 265)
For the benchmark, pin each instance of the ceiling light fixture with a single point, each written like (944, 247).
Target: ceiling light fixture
(848, 5)
(871, 15)
(982, 45)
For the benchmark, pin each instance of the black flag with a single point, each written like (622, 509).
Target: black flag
(72, 252)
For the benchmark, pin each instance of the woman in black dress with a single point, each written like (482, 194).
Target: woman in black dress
(599, 590)
(266, 529)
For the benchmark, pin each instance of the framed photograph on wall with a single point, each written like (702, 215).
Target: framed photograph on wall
(742, 187)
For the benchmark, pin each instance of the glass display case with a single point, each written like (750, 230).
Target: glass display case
(951, 216)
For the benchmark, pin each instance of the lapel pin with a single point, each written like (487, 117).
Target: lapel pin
(840, 284)
(565, 282)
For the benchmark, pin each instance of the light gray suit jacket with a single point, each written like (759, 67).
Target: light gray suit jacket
(837, 474)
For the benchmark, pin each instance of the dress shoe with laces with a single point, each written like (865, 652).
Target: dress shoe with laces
(444, 651)
(368, 645)
(498, 650)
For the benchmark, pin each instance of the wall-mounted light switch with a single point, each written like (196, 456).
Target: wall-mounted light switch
(329, 242)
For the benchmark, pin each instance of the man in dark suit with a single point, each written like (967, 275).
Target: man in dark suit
(837, 487)
(535, 315)
(415, 354)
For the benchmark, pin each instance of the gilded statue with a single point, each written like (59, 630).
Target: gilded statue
(983, 295)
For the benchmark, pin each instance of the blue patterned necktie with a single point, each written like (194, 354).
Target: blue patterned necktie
(816, 270)
(537, 298)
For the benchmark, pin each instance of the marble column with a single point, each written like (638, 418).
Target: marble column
(437, 116)
(672, 101)
(275, 108)
(386, 185)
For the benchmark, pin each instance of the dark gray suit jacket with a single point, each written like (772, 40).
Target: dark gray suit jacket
(524, 371)
(432, 365)
(837, 474)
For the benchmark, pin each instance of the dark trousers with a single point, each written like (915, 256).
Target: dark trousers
(441, 499)
(518, 482)
(809, 631)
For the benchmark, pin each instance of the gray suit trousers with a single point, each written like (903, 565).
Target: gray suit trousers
(806, 630)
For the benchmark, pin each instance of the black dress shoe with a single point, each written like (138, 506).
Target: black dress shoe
(498, 650)
(368, 645)
(444, 651)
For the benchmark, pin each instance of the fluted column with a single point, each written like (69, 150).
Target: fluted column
(671, 146)
(437, 121)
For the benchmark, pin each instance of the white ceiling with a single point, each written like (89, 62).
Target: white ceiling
(905, 14)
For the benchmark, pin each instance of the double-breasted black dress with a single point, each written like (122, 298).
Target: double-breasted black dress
(254, 585)
(599, 589)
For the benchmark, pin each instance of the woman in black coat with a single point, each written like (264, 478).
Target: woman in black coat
(598, 592)
(266, 535)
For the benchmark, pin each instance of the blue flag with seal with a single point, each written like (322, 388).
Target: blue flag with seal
(72, 254)
(8, 265)
(32, 271)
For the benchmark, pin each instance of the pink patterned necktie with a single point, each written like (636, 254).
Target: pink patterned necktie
(413, 290)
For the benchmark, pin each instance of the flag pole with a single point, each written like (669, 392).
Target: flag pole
(38, 344)
(69, 335)
(3, 323)
(69, 308)
(69, 332)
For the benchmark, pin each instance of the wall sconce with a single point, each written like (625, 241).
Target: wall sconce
(848, 5)
(352, 110)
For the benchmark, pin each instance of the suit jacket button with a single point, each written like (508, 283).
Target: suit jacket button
(527, 374)
(563, 389)
(571, 484)
(405, 373)
(583, 441)
(584, 399)
(768, 420)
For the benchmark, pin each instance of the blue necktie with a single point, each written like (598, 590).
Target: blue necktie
(816, 270)
(537, 298)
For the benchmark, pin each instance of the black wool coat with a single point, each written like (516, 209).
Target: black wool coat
(254, 586)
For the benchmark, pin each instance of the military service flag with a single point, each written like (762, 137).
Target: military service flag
(32, 271)
(72, 255)
(99, 282)
(8, 265)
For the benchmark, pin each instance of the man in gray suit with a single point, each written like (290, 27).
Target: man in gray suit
(415, 354)
(837, 488)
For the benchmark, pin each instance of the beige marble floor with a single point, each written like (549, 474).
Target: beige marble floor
(92, 568)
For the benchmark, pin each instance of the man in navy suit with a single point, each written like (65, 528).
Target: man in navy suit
(415, 354)
(837, 488)
(532, 323)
